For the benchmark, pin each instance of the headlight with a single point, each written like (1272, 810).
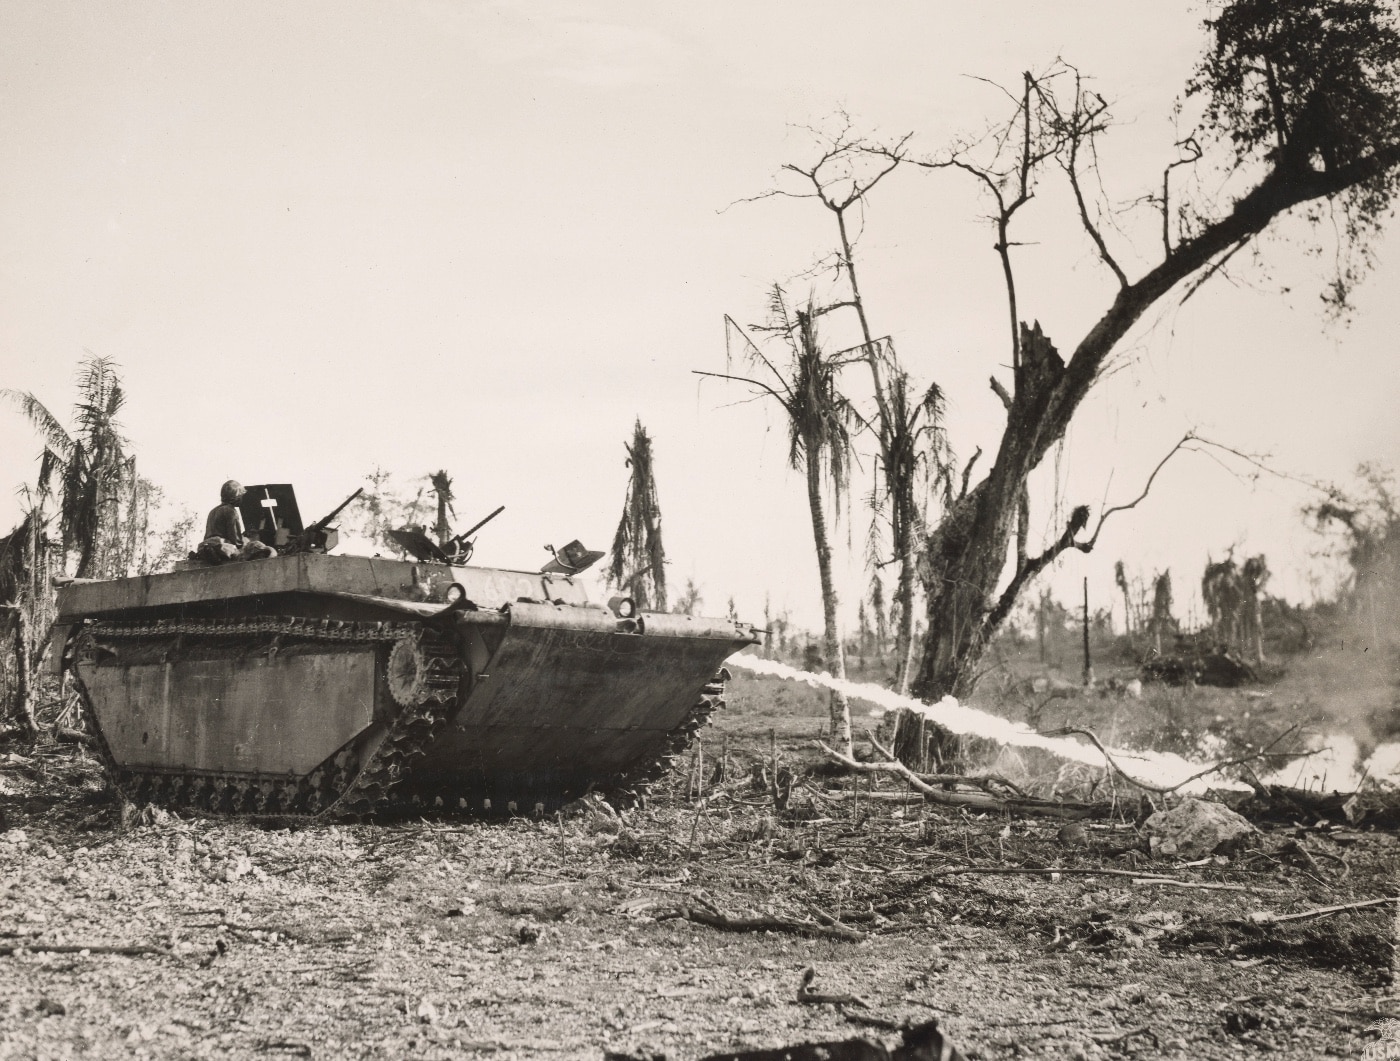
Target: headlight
(623, 607)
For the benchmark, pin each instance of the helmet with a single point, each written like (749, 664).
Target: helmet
(231, 492)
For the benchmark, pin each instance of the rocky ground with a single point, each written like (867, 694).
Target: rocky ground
(682, 930)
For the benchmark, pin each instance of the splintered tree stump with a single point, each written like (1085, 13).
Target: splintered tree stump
(1276, 803)
(923, 1042)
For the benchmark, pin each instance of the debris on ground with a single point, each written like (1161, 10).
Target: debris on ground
(831, 912)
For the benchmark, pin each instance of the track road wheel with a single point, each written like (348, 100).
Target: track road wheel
(408, 672)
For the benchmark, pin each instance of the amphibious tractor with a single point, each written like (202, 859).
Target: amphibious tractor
(312, 684)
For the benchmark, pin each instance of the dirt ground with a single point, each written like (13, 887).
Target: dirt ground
(175, 937)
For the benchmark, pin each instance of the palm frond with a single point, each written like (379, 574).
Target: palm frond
(54, 435)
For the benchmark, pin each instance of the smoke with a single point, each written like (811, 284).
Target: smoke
(1337, 766)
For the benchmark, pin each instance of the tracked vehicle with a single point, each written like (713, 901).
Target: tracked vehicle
(330, 685)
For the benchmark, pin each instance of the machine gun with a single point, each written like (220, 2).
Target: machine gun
(456, 551)
(319, 537)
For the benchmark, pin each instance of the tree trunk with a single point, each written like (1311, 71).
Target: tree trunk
(962, 593)
(1257, 621)
(900, 487)
(903, 524)
(835, 655)
(904, 637)
(24, 683)
(24, 707)
(443, 529)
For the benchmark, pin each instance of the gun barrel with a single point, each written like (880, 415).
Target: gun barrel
(477, 527)
(321, 523)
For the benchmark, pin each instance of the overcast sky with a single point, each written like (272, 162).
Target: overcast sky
(324, 237)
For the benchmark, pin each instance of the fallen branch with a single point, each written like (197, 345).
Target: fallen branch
(806, 995)
(1265, 918)
(78, 948)
(1137, 877)
(985, 782)
(286, 1046)
(716, 919)
(1109, 1038)
(873, 1020)
(979, 800)
(1202, 885)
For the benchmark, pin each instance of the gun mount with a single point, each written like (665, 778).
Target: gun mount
(456, 550)
(320, 537)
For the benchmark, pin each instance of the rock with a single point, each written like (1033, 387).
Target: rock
(235, 868)
(1196, 828)
(1072, 834)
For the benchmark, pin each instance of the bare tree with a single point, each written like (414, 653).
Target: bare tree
(819, 420)
(1255, 574)
(1162, 621)
(1303, 102)
(1120, 579)
(911, 443)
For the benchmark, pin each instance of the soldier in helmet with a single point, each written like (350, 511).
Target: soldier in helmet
(224, 537)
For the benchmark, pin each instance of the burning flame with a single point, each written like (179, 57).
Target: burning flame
(1155, 768)
(1335, 766)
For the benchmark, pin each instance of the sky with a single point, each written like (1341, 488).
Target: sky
(320, 238)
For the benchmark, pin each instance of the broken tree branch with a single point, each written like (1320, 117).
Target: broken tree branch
(1265, 918)
(806, 995)
(1068, 539)
(716, 919)
(1049, 871)
(1192, 153)
(986, 782)
(967, 472)
(79, 948)
(981, 799)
